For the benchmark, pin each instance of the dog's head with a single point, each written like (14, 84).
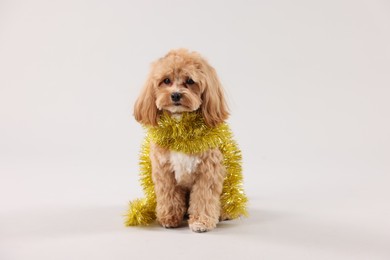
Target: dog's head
(181, 81)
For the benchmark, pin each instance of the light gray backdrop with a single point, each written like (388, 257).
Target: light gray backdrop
(308, 85)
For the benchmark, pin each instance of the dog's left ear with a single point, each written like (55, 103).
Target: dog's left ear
(214, 107)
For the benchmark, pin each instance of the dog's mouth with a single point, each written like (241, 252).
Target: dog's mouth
(178, 107)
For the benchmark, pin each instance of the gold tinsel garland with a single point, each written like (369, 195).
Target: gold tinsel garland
(190, 135)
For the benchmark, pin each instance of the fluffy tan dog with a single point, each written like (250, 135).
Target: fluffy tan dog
(183, 81)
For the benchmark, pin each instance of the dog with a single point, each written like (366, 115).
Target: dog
(185, 184)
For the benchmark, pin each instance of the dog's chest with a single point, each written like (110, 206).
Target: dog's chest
(183, 164)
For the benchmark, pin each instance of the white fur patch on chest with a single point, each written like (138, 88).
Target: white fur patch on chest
(183, 164)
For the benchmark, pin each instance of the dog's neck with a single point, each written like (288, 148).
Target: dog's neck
(177, 116)
(188, 135)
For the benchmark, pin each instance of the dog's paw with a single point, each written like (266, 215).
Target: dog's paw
(170, 222)
(198, 227)
(201, 226)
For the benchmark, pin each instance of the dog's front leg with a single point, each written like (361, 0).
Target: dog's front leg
(205, 206)
(171, 198)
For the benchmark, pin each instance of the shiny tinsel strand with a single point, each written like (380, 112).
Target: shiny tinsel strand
(143, 211)
(190, 135)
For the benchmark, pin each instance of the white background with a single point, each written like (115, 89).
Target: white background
(309, 88)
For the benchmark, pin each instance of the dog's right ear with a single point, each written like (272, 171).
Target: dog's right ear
(145, 110)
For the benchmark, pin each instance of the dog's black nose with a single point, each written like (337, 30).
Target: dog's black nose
(175, 96)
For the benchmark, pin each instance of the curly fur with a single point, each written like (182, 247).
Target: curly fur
(196, 191)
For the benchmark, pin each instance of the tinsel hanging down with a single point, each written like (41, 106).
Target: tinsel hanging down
(189, 135)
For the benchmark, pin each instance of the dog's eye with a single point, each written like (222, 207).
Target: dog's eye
(167, 81)
(189, 81)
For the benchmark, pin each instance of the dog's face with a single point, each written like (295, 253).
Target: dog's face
(181, 81)
(179, 84)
